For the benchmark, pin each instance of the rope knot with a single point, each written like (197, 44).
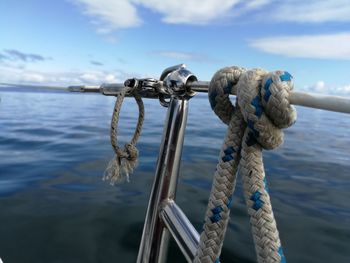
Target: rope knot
(131, 152)
(263, 99)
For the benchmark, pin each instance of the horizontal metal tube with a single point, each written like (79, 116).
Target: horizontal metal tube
(199, 86)
(42, 87)
(311, 100)
(324, 102)
(185, 235)
(84, 88)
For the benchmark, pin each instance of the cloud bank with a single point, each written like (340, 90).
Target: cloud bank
(185, 56)
(312, 11)
(66, 78)
(322, 88)
(329, 46)
(110, 15)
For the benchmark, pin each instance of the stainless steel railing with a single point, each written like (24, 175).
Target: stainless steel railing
(311, 100)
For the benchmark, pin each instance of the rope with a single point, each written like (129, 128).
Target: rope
(125, 160)
(255, 122)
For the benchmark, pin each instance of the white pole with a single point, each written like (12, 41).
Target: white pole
(311, 100)
(324, 102)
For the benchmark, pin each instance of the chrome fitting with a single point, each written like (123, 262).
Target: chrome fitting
(175, 80)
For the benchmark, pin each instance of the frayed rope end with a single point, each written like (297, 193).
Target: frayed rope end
(120, 167)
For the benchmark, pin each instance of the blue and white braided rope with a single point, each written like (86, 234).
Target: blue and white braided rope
(262, 109)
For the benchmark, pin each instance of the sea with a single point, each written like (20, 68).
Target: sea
(55, 208)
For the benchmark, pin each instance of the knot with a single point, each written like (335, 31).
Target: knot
(131, 152)
(263, 99)
(124, 161)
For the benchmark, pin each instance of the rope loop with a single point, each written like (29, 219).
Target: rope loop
(255, 122)
(220, 88)
(125, 160)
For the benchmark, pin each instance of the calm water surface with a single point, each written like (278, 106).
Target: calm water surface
(55, 208)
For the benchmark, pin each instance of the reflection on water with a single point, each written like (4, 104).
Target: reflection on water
(55, 208)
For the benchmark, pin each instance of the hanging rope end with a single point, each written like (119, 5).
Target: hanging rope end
(112, 172)
(121, 166)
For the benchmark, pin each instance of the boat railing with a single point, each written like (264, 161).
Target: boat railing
(164, 218)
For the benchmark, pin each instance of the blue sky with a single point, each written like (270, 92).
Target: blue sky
(93, 41)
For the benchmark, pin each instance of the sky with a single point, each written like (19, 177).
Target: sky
(69, 42)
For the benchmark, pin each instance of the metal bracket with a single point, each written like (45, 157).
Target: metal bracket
(175, 80)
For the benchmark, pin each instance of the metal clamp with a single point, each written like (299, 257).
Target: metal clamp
(175, 80)
(146, 84)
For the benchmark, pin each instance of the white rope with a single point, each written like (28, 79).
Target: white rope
(125, 160)
(255, 122)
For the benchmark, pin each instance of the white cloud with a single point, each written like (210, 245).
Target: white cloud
(331, 46)
(253, 4)
(319, 86)
(110, 15)
(190, 11)
(25, 76)
(185, 56)
(97, 77)
(31, 77)
(205, 11)
(312, 11)
(175, 55)
(323, 88)
(346, 89)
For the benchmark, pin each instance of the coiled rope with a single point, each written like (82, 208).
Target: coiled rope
(125, 160)
(256, 121)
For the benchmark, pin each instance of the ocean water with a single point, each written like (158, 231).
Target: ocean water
(54, 207)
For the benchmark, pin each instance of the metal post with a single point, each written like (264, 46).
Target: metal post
(155, 237)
